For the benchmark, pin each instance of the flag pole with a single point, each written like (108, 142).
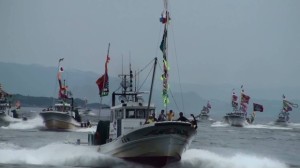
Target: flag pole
(104, 79)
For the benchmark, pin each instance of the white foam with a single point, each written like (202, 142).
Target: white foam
(28, 124)
(89, 129)
(193, 158)
(58, 155)
(219, 124)
(6, 145)
(261, 126)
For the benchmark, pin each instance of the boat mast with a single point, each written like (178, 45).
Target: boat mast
(164, 48)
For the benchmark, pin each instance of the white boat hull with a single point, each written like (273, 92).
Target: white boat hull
(235, 120)
(156, 145)
(59, 121)
(203, 117)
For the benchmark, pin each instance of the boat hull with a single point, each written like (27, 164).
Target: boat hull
(203, 117)
(281, 122)
(235, 120)
(59, 121)
(165, 142)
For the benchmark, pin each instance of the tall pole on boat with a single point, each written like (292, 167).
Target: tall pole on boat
(104, 79)
(164, 48)
(152, 83)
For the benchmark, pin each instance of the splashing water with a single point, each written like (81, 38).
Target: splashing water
(59, 155)
(205, 159)
(36, 122)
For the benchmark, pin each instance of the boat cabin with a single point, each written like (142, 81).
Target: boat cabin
(62, 107)
(127, 116)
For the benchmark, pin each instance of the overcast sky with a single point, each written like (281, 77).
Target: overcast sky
(251, 42)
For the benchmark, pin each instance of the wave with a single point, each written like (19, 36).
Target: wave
(59, 154)
(56, 154)
(36, 122)
(90, 129)
(262, 126)
(196, 158)
(219, 124)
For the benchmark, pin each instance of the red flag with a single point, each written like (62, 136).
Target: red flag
(103, 82)
(245, 98)
(103, 85)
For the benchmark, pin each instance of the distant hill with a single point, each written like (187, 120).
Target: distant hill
(31, 101)
(39, 84)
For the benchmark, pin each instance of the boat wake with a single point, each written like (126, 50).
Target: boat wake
(53, 155)
(36, 122)
(87, 156)
(219, 124)
(193, 158)
(262, 126)
(90, 129)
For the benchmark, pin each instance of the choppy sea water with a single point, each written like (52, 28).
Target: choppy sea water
(216, 145)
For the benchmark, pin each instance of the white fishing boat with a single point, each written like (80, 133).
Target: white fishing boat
(63, 116)
(204, 114)
(127, 136)
(283, 116)
(132, 132)
(7, 113)
(238, 116)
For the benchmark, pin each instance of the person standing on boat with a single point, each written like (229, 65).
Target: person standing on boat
(162, 116)
(182, 118)
(151, 119)
(170, 115)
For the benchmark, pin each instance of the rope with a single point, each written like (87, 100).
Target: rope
(174, 100)
(145, 78)
(179, 79)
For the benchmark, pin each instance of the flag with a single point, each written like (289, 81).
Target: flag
(234, 97)
(245, 98)
(103, 82)
(163, 44)
(234, 104)
(18, 104)
(258, 107)
(62, 92)
(243, 107)
(60, 59)
(208, 105)
(103, 85)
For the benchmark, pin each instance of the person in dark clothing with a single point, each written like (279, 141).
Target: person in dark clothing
(182, 118)
(194, 121)
(162, 116)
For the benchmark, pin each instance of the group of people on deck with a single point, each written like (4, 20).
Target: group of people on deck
(168, 117)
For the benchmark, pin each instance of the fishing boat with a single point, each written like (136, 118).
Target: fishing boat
(127, 136)
(63, 116)
(132, 133)
(85, 110)
(7, 113)
(283, 116)
(239, 114)
(204, 114)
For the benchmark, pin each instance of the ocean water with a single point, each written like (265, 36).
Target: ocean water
(27, 144)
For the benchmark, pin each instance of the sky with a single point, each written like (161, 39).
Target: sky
(255, 43)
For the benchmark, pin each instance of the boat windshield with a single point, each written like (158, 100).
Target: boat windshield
(62, 108)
